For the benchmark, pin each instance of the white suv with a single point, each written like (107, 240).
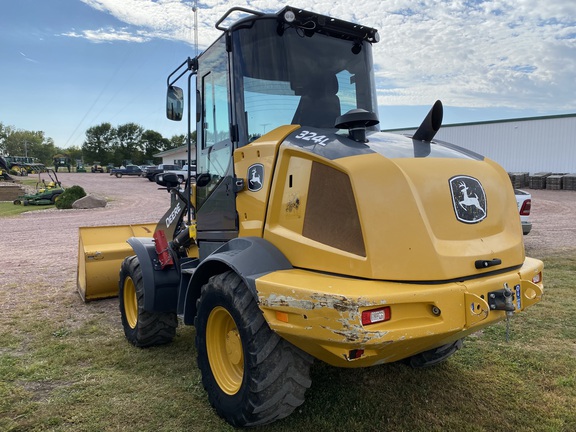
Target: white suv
(524, 201)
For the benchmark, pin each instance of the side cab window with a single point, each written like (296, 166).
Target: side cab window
(214, 152)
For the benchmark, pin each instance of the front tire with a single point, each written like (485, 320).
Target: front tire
(142, 328)
(251, 374)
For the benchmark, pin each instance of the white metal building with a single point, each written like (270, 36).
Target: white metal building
(176, 156)
(535, 144)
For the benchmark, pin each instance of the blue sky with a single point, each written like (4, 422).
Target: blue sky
(67, 65)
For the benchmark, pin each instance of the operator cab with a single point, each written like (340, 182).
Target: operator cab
(265, 71)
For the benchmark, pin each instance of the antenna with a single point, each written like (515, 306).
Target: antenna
(195, 10)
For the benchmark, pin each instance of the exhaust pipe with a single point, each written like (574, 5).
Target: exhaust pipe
(431, 123)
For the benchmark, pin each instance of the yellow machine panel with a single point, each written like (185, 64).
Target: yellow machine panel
(390, 219)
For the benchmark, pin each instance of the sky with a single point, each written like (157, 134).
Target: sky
(68, 65)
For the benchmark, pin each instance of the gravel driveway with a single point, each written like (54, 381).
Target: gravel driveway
(41, 247)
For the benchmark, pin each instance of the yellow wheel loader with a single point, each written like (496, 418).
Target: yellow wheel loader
(307, 233)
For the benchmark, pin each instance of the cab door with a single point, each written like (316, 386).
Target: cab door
(215, 198)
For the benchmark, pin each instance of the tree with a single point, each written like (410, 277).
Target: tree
(176, 141)
(26, 143)
(98, 144)
(5, 131)
(128, 140)
(153, 142)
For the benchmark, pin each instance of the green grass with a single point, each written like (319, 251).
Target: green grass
(65, 366)
(9, 209)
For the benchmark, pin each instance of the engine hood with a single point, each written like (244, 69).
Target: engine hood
(393, 208)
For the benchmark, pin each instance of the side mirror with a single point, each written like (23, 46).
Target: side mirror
(174, 103)
(168, 180)
(203, 179)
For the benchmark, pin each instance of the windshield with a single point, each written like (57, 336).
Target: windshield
(290, 78)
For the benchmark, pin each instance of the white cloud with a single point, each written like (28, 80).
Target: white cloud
(493, 53)
(109, 35)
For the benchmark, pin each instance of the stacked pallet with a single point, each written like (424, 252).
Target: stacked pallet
(554, 182)
(538, 180)
(519, 179)
(10, 191)
(569, 182)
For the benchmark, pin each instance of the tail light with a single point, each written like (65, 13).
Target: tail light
(374, 316)
(526, 206)
(537, 278)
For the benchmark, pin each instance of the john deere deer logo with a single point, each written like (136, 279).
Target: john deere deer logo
(468, 199)
(255, 177)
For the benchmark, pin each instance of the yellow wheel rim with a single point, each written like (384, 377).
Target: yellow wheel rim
(224, 348)
(130, 302)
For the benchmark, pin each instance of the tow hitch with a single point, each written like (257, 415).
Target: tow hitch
(504, 300)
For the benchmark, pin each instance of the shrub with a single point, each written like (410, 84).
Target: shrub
(70, 195)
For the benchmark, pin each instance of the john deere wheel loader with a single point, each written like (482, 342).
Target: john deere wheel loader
(307, 232)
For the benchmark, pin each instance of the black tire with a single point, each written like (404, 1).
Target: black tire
(55, 198)
(434, 356)
(118, 175)
(142, 328)
(252, 376)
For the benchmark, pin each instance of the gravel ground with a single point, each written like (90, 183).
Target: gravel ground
(41, 247)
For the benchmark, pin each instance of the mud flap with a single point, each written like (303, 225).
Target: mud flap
(101, 251)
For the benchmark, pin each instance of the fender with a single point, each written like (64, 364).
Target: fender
(249, 257)
(160, 286)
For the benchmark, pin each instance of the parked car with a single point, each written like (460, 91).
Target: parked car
(130, 170)
(182, 173)
(524, 202)
(150, 173)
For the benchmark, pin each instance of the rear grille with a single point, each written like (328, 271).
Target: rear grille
(331, 215)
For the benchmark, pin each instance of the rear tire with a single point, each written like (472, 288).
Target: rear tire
(434, 356)
(252, 376)
(142, 328)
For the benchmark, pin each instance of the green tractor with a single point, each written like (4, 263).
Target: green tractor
(46, 193)
(62, 160)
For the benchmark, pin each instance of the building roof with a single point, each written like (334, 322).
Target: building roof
(521, 119)
(181, 149)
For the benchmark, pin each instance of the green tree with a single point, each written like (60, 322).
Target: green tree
(99, 142)
(129, 145)
(153, 142)
(176, 141)
(27, 143)
(5, 131)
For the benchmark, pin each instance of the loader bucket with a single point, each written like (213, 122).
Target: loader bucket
(101, 251)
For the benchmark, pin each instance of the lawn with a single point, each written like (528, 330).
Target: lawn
(9, 209)
(65, 366)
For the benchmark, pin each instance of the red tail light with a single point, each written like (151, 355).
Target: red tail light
(374, 316)
(526, 206)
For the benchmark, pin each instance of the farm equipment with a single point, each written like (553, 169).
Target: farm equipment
(97, 167)
(62, 160)
(321, 238)
(46, 193)
(23, 165)
(4, 170)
